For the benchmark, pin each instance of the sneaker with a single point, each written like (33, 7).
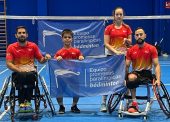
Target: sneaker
(103, 108)
(28, 104)
(22, 105)
(21, 110)
(61, 109)
(25, 108)
(28, 109)
(134, 107)
(74, 109)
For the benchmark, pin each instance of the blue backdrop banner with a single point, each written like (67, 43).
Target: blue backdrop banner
(90, 77)
(88, 36)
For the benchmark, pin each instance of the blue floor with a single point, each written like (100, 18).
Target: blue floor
(89, 106)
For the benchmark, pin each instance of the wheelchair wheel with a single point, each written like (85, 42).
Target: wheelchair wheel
(163, 98)
(43, 83)
(37, 96)
(4, 89)
(114, 100)
(12, 101)
(37, 99)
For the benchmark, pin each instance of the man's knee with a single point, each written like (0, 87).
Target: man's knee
(132, 81)
(132, 77)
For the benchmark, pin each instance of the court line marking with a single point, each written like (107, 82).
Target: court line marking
(4, 112)
(4, 71)
(41, 69)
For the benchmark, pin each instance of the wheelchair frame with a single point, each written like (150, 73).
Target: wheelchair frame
(37, 97)
(117, 98)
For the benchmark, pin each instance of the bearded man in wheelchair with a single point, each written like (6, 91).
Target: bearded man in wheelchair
(142, 56)
(20, 57)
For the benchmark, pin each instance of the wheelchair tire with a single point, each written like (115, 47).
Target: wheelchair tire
(4, 89)
(12, 101)
(113, 101)
(37, 99)
(163, 98)
(47, 94)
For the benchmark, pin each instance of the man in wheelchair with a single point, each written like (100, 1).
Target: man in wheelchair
(20, 58)
(142, 56)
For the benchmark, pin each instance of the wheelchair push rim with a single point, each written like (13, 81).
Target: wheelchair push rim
(113, 101)
(162, 98)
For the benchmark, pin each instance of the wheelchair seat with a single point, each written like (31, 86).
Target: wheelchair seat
(26, 79)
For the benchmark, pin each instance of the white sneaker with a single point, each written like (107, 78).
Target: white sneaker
(103, 108)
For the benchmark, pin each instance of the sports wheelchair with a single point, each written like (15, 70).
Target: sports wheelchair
(159, 94)
(11, 99)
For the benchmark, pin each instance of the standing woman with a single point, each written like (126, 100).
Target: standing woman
(117, 35)
(117, 38)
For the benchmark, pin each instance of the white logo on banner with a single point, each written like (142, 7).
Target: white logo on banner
(58, 72)
(48, 33)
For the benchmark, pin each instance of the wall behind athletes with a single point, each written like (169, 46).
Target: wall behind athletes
(156, 29)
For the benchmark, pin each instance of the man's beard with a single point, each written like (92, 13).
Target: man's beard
(140, 41)
(22, 39)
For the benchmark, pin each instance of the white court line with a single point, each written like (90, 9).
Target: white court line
(41, 69)
(3, 65)
(164, 62)
(165, 65)
(4, 112)
(4, 71)
(167, 84)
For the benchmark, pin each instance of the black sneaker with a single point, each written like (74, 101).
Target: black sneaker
(61, 109)
(74, 109)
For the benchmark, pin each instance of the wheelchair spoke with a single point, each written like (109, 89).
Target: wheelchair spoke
(37, 99)
(43, 83)
(4, 89)
(114, 101)
(163, 99)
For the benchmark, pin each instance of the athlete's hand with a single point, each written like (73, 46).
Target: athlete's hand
(158, 83)
(59, 58)
(119, 52)
(81, 57)
(27, 68)
(126, 42)
(47, 57)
